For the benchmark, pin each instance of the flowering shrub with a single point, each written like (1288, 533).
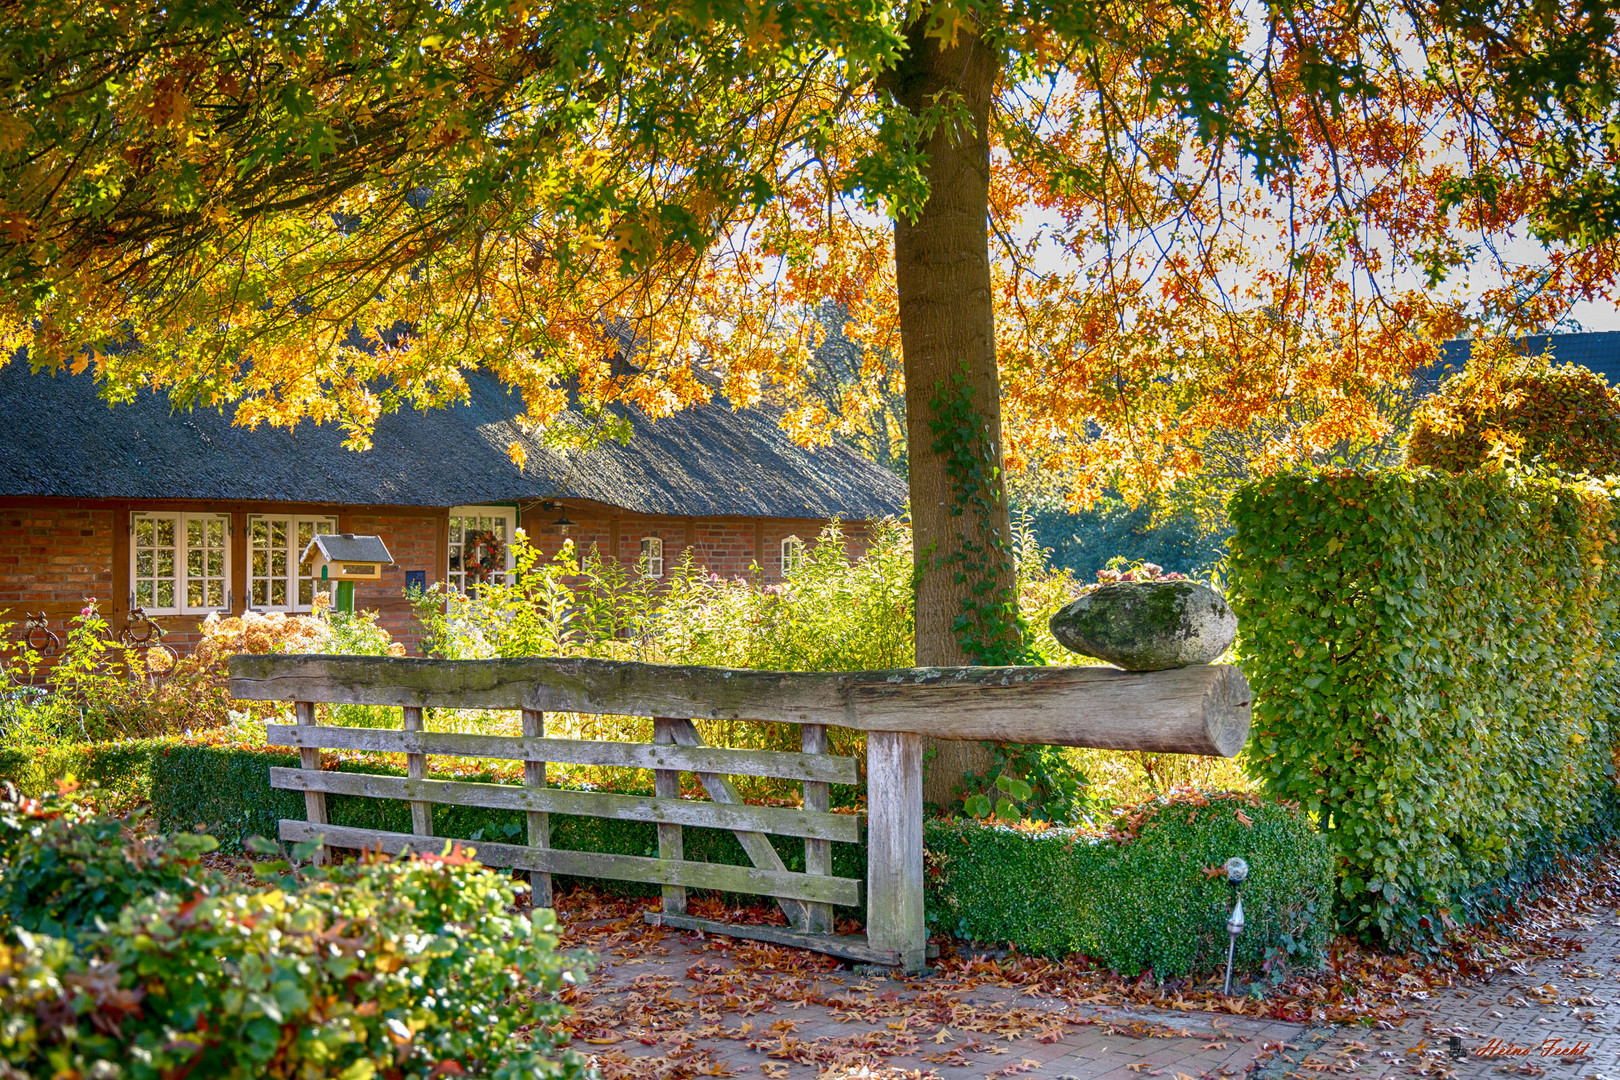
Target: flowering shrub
(97, 688)
(414, 968)
(1111, 575)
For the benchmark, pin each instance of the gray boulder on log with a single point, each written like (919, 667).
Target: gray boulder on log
(1147, 625)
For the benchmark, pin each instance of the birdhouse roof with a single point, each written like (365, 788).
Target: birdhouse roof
(347, 547)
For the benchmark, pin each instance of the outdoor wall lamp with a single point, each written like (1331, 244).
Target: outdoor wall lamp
(562, 523)
(1236, 871)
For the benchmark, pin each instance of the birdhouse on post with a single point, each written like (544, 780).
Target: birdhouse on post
(344, 559)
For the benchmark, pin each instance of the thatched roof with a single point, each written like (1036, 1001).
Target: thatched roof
(61, 440)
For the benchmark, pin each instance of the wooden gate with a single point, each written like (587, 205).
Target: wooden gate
(1199, 710)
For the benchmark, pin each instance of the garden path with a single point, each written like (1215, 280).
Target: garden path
(667, 1005)
(1557, 1017)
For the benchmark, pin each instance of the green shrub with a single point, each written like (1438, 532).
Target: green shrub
(117, 770)
(373, 968)
(1141, 898)
(64, 869)
(1507, 407)
(1433, 665)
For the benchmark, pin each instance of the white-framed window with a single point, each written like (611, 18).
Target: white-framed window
(652, 556)
(180, 563)
(792, 553)
(276, 579)
(480, 545)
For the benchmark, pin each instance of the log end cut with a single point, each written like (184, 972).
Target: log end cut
(1228, 705)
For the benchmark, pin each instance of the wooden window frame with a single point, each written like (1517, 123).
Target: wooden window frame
(651, 559)
(293, 577)
(792, 549)
(457, 579)
(180, 577)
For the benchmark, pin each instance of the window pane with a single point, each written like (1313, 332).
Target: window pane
(165, 563)
(306, 591)
(278, 592)
(143, 594)
(455, 530)
(143, 532)
(165, 532)
(194, 562)
(260, 532)
(143, 564)
(216, 594)
(259, 593)
(216, 562)
(165, 593)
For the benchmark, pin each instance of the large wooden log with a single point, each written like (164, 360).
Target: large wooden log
(1202, 709)
(695, 875)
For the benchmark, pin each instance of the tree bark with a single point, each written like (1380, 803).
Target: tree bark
(966, 599)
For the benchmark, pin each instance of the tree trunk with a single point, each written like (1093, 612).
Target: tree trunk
(966, 606)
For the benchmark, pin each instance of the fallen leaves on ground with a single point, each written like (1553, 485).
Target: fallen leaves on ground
(649, 1026)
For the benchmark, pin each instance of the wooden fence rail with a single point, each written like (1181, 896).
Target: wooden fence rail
(1200, 710)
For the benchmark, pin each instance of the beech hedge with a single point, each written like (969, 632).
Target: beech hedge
(1433, 661)
(1146, 896)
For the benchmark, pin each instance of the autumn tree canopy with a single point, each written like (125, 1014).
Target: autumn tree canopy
(1088, 232)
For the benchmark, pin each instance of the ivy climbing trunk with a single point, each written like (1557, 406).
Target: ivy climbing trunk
(966, 606)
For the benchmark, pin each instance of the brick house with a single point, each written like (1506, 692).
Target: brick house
(182, 514)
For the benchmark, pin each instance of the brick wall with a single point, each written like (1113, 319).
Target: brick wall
(54, 558)
(413, 541)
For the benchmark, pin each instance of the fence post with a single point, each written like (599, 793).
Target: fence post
(416, 769)
(534, 775)
(894, 847)
(667, 785)
(818, 918)
(310, 758)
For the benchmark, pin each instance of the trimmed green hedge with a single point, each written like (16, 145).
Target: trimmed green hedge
(1140, 901)
(118, 768)
(1433, 660)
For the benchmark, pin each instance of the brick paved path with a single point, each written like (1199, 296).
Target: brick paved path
(1555, 1018)
(667, 1005)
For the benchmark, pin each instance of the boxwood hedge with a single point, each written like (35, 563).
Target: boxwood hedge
(1147, 896)
(1433, 660)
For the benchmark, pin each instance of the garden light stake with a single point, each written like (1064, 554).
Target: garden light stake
(1236, 871)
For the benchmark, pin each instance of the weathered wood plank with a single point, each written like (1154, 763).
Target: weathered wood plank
(1202, 709)
(777, 763)
(416, 769)
(756, 844)
(539, 824)
(693, 875)
(671, 842)
(844, 946)
(894, 846)
(784, 821)
(817, 853)
(310, 758)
